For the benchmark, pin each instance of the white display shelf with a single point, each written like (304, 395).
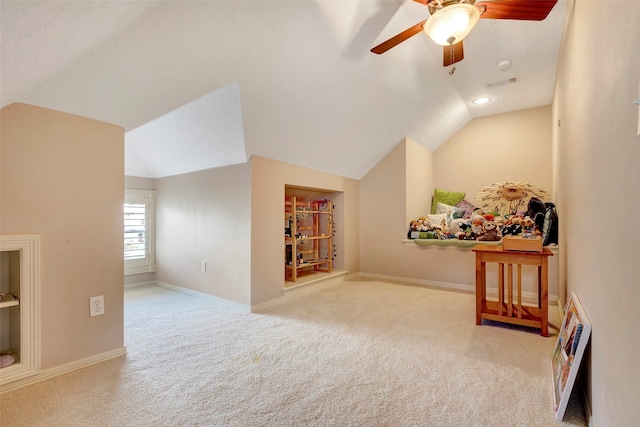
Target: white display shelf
(9, 301)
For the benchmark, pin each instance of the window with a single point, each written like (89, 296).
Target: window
(139, 213)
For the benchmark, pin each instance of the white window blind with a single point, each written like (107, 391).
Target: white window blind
(135, 230)
(139, 229)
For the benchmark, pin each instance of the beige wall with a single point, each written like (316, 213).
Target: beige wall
(206, 216)
(383, 210)
(231, 217)
(268, 181)
(419, 180)
(505, 147)
(62, 177)
(139, 183)
(400, 188)
(598, 176)
(384, 202)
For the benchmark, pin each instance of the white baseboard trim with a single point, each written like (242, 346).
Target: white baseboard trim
(64, 369)
(225, 302)
(303, 289)
(351, 276)
(336, 276)
(426, 283)
(560, 309)
(528, 297)
(139, 284)
(237, 306)
(585, 403)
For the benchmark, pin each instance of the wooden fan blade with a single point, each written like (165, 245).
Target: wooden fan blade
(453, 54)
(524, 10)
(399, 38)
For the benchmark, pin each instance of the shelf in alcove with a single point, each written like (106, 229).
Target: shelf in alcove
(9, 301)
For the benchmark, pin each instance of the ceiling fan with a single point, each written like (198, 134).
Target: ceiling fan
(452, 20)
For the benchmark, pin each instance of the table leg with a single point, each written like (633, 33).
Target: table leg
(519, 291)
(480, 288)
(543, 270)
(539, 285)
(510, 290)
(500, 288)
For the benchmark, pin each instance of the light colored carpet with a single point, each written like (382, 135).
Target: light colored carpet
(361, 353)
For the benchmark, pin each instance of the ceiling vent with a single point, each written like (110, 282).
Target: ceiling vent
(503, 82)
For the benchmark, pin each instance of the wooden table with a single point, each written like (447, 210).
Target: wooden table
(505, 310)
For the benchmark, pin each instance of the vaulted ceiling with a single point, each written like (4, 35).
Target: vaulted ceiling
(201, 84)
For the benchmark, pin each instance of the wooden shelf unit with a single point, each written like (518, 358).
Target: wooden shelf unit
(9, 301)
(10, 306)
(19, 315)
(308, 237)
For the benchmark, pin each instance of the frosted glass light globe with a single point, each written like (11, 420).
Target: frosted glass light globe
(451, 24)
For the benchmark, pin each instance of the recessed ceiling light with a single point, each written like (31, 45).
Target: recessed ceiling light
(481, 101)
(504, 65)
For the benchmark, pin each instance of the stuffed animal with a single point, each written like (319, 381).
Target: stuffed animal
(515, 219)
(477, 214)
(527, 226)
(438, 225)
(457, 225)
(490, 232)
(512, 230)
(6, 360)
(513, 226)
(420, 224)
(477, 227)
(468, 234)
(445, 228)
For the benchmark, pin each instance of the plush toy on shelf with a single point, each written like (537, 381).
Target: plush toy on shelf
(490, 232)
(528, 227)
(477, 227)
(477, 214)
(513, 226)
(420, 224)
(6, 360)
(457, 226)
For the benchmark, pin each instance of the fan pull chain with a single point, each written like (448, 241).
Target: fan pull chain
(451, 56)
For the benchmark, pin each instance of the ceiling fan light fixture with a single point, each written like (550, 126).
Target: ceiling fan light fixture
(451, 24)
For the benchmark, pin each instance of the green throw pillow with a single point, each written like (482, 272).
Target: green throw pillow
(447, 197)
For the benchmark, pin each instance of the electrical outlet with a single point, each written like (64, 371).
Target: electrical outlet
(96, 306)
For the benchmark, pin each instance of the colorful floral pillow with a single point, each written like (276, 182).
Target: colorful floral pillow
(467, 207)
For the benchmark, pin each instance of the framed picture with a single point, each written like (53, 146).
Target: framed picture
(567, 354)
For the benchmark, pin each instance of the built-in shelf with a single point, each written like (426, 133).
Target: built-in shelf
(308, 237)
(20, 284)
(9, 301)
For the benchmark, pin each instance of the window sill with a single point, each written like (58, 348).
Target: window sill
(459, 244)
(139, 269)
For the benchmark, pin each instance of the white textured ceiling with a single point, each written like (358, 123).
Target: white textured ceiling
(202, 134)
(200, 84)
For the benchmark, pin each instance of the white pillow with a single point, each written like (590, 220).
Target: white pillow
(452, 212)
(436, 219)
